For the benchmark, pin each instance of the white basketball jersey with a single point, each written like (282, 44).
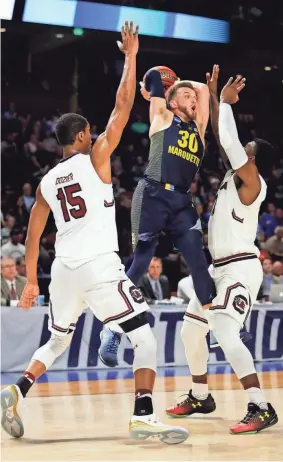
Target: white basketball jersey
(83, 208)
(232, 226)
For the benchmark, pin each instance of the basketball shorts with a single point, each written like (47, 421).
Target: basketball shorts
(237, 286)
(101, 285)
(155, 209)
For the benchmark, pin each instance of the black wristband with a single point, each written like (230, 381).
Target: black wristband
(153, 83)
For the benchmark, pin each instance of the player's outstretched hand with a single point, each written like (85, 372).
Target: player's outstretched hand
(212, 80)
(130, 39)
(29, 296)
(230, 93)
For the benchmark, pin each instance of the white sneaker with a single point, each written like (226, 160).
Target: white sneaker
(11, 422)
(144, 427)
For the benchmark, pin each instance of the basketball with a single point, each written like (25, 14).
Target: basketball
(168, 76)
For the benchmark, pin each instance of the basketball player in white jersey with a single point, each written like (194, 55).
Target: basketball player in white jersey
(87, 269)
(236, 269)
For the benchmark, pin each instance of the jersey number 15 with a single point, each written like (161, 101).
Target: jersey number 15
(66, 195)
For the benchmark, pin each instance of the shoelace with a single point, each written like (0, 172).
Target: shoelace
(188, 399)
(247, 417)
(113, 344)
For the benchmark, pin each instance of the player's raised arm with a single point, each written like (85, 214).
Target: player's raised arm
(152, 90)
(212, 81)
(109, 140)
(228, 134)
(38, 218)
(202, 112)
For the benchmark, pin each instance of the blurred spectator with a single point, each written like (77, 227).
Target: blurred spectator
(12, 285)
(267, 277)
(139, 126)
(93, 131)
(21, 267)
(267, 221)
(11, 112)
(274, 245)
(21, 213)
(155, 286)
(13, 248)
(27, 197)
(49, 143)
(9, 223)
(277, 271)
(117, 190)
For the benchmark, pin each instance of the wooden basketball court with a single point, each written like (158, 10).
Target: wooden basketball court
(88, 421)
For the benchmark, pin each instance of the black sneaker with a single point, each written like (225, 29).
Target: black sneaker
(255, 420)
(191, 406)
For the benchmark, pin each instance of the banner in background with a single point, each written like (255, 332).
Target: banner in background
(76, 13)
(23, 333)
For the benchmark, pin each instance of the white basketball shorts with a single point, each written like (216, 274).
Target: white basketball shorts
(101, 285)
(237, 286)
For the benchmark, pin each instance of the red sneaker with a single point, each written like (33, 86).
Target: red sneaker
(191, 406)
(255, 420)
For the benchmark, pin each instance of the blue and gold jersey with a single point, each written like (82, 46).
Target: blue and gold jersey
(175, 154)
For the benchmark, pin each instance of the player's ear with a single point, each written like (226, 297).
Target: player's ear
(172, 104)
(81, 136)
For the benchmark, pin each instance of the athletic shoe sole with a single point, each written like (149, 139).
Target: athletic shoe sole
(11, 421)
(169, 436)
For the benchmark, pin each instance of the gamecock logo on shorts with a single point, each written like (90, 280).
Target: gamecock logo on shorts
(240, 303)
(136, 294)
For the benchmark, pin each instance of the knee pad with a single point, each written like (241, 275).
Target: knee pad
(194, 339)
(145, 348)
(227, 332)
(55, 346)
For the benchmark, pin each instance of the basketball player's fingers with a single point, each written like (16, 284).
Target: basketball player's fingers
(229, 82)
(123, 32)
(207, 78)
(137, 31)
(126, 28)
(131, 30)
(237, 80)
(240, 88)
(215, 72)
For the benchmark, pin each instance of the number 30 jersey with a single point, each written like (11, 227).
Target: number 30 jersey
(83, 208)
(175, 154)
(232, 226)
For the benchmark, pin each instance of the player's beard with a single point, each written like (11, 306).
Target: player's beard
(188, 113)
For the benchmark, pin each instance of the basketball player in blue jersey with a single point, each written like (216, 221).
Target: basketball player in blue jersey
(162, 200)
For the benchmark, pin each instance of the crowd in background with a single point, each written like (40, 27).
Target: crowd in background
(29, 150)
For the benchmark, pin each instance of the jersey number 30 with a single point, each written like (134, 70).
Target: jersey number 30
(65, 195)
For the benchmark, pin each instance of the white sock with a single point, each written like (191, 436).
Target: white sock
(256, 396)
(200, 390)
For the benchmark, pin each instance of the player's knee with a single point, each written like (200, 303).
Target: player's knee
(55, 346)
(193, 335)
(145, 348)
(227, 332)
(193, 332)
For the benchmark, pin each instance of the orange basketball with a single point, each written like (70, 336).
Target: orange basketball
(168, 76)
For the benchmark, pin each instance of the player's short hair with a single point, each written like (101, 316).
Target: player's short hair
(171, 93)
(264, 156)
(68, 126)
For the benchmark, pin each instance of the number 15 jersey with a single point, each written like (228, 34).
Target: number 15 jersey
(83, 208)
